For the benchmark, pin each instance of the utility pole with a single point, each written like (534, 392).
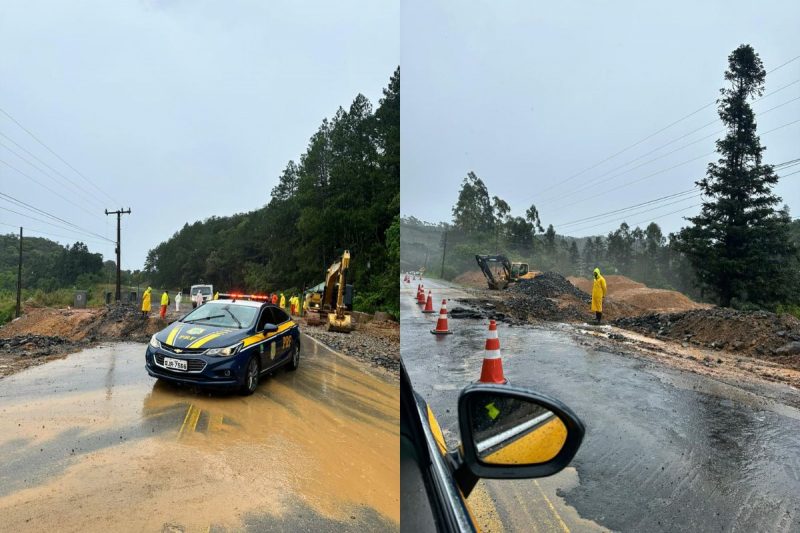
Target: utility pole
(444, 251)
(119, 213)
(19, 276)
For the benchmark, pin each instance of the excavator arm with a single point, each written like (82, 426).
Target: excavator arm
(488, 264)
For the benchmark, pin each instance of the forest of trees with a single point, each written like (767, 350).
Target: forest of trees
(343, 193)
(740, 251)
(48, 265)
(482, 225)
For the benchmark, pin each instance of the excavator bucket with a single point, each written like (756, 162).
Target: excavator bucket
(343, 324)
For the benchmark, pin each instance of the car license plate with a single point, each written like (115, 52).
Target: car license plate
(177, 364)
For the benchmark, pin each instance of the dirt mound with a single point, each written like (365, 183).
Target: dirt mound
(108, 323)
(630, 293)
(757, 334)
(473, 278)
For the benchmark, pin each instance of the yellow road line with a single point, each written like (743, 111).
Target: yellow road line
(552, 508)
(190, 420)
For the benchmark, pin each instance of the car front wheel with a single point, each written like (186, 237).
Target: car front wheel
(294, 362)
(250, 378)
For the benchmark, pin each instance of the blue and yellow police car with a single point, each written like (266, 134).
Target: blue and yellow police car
(225, 343)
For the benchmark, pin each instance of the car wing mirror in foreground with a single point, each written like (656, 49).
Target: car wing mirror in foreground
(509, 432)
(270, 328)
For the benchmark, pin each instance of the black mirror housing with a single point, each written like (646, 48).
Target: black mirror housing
(574, 426)
(270, 328)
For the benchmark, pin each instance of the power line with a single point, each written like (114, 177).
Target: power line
(78, 172)
(32, 230)
(8, 197)
(597, 183)
(622, 209)
(783, 165)
(626, 184)
(622, 219)
(76, 185)
(783, 64)
(637, 143)
(40, 184)
(76, 232)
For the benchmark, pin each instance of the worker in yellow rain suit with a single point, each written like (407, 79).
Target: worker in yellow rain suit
(216, 295)
(164, 304)
(283, 301)
(146, 306)
(598, 293)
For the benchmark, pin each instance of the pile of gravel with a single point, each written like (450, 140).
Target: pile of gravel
(35, 345)
(549, 285)
(548, 296)
(372, 349)
(753, 332)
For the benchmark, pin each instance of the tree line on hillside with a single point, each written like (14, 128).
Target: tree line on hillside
(741, 250)
(342, 194)
(47, 265)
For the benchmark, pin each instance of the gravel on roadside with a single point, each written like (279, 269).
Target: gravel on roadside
(371, 343)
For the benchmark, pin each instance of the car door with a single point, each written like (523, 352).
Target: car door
(283, 340)
(263, 346)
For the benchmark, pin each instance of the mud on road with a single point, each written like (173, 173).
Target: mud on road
(746, 343)
(665, 449)
(92, 443)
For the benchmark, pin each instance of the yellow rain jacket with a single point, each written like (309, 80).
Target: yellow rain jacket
(216, 295)
(164, 298)
(146, 300)
(283, 301)
(598, 292)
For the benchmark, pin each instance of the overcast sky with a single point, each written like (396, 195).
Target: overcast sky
(179, 110)
(528, 94)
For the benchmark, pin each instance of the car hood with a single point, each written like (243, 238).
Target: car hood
(196, 336)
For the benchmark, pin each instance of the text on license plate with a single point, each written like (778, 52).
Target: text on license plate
(177, 364)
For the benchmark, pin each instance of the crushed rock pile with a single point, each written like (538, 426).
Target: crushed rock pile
(755, 333)
(549, 285)
(485, 311)
(35, 345)
(548, 296)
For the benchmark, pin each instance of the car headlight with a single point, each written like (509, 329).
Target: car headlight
(154, 342)
(225, 352)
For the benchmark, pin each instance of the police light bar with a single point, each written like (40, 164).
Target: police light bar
(237, 296)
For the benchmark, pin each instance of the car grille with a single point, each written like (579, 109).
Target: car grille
(182, 351)
(194, 365)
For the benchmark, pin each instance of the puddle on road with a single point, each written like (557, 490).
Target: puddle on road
(323, 438)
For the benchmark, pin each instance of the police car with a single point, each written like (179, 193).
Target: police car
(225, 343)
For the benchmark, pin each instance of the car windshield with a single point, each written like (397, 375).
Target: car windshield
(203, 290)
(223, 315)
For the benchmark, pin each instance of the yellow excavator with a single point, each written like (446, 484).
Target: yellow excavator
(500, 272)
(336, 299)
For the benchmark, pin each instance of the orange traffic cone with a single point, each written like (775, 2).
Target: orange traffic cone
(421, 296)
(441, 324)
(419, 288)
(429, 304)
(492, 370)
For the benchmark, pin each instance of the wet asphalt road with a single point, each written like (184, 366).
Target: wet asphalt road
(92, 443)
(665, 450)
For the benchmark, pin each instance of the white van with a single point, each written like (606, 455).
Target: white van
(206, 290)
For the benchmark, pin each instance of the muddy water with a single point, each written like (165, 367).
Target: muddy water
(665, 449)
(91, 442)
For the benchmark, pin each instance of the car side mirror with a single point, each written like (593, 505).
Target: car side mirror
(509, 433)
(270, 328)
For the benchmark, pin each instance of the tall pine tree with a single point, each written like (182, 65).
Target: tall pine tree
(738, 243)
